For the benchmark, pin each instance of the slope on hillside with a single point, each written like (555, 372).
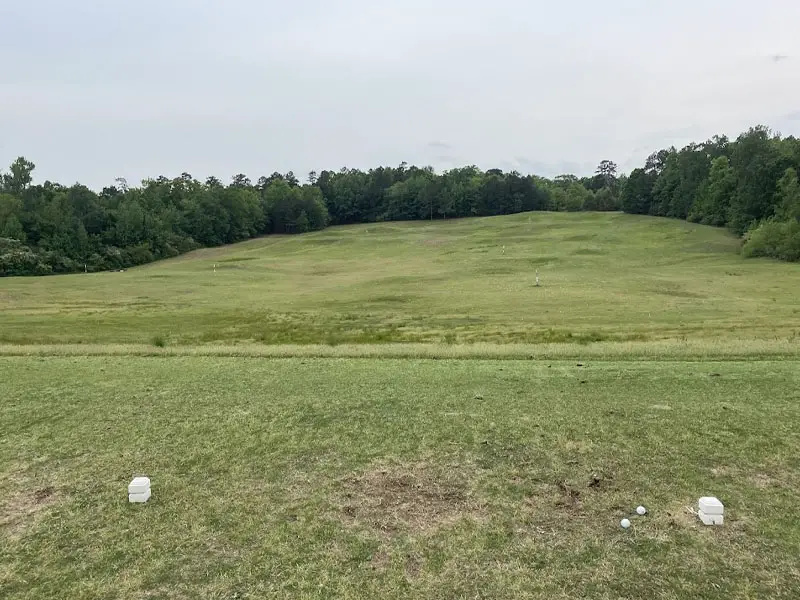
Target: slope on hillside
(603, 277)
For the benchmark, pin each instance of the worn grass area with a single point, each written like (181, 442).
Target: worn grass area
(743, 349)
(384, 478)
(605, 278)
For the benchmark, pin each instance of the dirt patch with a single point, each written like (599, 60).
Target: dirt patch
(43, 494)
(21, 510)
(570, 498)
(682, 516)
(408, 498)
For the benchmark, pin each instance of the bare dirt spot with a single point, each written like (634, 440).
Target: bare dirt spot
(21, 510)
(570, 497)
(681, 516)
(595, 481)
(42, 495)
(660, 407)
(410, 498)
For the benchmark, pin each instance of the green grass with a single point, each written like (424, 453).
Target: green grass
(346, 478)
(397, 411)
(605, 278)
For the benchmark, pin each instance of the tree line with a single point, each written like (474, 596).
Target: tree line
(748, 185)
(51, 228)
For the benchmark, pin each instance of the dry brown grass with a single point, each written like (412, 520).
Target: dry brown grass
(413, 499)
(646, 350)
(20, 511)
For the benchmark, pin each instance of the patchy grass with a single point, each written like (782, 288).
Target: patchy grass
(396, 478)
(410, 499)
(640, 279)
(744, 349)
(397, 411)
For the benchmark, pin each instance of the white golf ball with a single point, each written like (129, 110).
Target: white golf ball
(641, 510)
(625, 523)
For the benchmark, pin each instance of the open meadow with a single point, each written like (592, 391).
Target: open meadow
(604, 277)
(397, 411)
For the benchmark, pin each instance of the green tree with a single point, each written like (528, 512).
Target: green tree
(693, 164)
(637, 193)
(604, 199)
(714, 196)
(665, 186)
(302, 223)
(775, 239)
(10, 212)
(313, 205)
(788, 197)
(19, 177)
(758, 163)
(607, 173)
(244, 211)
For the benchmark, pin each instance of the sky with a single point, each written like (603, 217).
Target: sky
(92, 90)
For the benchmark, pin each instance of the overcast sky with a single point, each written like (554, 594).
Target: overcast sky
(91, 90)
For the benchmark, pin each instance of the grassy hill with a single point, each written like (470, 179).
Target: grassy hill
(604, 277)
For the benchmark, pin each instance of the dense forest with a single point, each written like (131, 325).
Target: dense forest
(749, 185)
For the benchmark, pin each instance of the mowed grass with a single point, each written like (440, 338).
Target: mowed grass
(353, 478)
(605, 278)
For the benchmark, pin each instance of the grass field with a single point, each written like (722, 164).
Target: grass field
(605, 277)
(326, 478)
(397, 411)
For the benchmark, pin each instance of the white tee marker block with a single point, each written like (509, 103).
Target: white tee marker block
(139, 498)
(710, 511)
(710, 506)
(711, 519)
(139, 490)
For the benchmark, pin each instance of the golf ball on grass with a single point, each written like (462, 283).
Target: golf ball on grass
(641, 511)
(625, 523)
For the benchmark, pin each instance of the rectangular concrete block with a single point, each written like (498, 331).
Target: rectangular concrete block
(139, 485)
(711, 519)
(139, 498)
(710, 506)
